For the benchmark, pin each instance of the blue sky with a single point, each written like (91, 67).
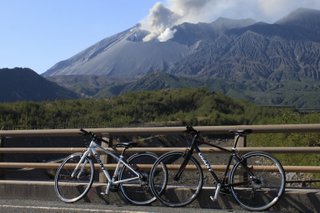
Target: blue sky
(39, 33)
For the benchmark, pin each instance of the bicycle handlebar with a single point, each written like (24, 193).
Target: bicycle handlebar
(93, 136)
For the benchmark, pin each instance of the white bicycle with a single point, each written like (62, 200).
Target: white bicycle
(75, 175)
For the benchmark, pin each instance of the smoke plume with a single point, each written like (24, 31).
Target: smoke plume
(163, 16)
(158, 23)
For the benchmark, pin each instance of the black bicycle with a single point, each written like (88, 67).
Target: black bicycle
(256, 179)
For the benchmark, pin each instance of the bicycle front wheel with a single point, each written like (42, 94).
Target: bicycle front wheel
(258, 181)
(138, 191)
(180, 189)
(71, 185)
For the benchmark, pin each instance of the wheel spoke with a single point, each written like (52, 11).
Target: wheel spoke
(178, 191)
(257, 182)
(72, 189)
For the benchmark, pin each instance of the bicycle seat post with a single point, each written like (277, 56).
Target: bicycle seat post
(123, 151)
(240, 137)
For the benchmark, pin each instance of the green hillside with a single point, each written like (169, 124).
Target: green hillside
(172, 106)
(302, 94)
(166, 107)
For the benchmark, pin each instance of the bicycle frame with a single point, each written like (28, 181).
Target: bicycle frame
(92, 151)
(233, 156)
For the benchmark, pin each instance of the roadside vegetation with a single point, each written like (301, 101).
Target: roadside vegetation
(171, 107)
(165, 107)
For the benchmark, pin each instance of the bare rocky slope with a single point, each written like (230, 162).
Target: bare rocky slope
(270, 64)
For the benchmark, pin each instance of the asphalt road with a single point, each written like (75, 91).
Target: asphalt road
(33, 206)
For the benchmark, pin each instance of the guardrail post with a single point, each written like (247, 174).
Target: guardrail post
(1, 141)
(1, 155)
(242, 142)
(104, 158)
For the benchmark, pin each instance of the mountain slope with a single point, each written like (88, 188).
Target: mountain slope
(238, 53)
(122, 56)
(224, 48)
(22, 84)
(287, 50)
(126, 56)
(305, 18)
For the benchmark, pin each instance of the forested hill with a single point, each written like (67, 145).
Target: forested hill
(20, 84)
(165, 107)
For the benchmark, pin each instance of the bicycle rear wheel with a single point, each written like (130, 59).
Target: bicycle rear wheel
(258, 181)
(138, 191)
(179, 191)
(71, 189)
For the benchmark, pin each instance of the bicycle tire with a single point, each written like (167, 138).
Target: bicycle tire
(71, 189)
(261, 185)
(183, 191)
(138, 192)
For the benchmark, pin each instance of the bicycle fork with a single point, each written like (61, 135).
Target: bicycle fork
(83, 162)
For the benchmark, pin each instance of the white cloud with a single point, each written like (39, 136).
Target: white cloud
(273, 10)
(166, 35)
(158, 20)
(162, 17)
(191, 10)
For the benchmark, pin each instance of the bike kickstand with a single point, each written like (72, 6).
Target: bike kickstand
(215, 197)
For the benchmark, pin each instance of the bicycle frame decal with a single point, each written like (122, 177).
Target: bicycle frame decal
(205, 161)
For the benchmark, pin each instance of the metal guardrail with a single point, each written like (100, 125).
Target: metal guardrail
(109, 132)
(279, 128)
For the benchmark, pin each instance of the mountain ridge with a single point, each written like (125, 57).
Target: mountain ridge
(241, 54)
(23, 84)
(126, 56)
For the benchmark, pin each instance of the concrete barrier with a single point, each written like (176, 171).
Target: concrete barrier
(294, 200)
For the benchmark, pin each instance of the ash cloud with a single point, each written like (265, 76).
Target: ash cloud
(159, 23)
(163, 16)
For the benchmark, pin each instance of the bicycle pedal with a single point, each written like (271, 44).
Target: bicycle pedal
(212, 198)
(215, 197)
(103, 193)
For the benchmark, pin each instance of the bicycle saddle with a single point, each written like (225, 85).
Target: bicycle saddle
(241, 131)
(126, 144)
